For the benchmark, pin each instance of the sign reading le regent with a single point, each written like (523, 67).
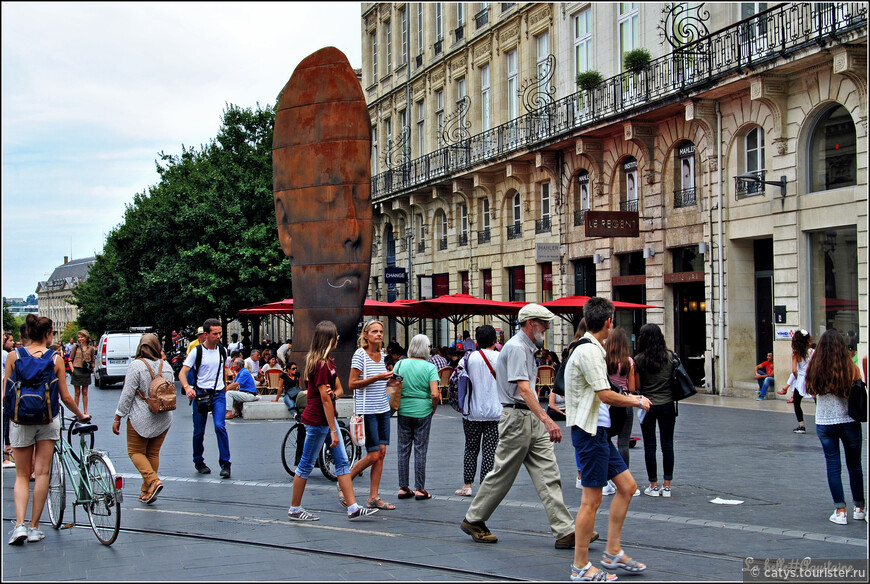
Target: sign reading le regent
(612, 224)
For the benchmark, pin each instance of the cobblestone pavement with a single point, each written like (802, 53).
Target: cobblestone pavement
(204, 528)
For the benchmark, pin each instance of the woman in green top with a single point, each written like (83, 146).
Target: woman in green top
(420, 396)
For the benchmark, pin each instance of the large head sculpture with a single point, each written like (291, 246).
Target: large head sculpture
(321, 154)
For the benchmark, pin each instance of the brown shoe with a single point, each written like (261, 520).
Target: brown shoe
(478, 531)
(229, 416)
(567, 542)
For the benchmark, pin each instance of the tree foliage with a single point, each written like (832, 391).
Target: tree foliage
(200, 243)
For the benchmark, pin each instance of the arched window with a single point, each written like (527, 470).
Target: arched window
(581, 197)
(515, 229)
(833, 159)
(632, 188)
(684, 175)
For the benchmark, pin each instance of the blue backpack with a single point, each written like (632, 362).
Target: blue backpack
(32, 392)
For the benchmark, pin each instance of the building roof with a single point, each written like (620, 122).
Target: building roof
(67, 275)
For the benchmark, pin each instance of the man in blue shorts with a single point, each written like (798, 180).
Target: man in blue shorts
(587, 400)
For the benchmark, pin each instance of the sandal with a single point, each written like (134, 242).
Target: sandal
(620, 560)
(463, 492)
(378, 503)
(341, 498)
(579, 574)
(405, 493)
(422, 494)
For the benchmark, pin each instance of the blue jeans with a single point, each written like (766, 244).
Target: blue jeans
(315, 436)
(764, 385)
(218, 415)
(850, 435)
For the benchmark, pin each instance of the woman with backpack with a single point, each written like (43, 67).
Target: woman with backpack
(481, 424)
(829, 377)
(29, 364)
(82, 362)
(654, 366)
(146, 430)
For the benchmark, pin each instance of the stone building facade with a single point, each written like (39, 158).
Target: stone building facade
(55, 295)
(487, 158)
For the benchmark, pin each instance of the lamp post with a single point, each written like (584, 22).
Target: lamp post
(754, 178)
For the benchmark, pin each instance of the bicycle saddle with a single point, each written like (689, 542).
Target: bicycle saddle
(84, 429)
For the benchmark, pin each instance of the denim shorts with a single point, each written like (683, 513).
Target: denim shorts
(377, 430)
(598, 459)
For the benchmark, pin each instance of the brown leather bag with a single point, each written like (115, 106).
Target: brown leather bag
(161, 393)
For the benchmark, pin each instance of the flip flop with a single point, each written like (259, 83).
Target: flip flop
(378, 503)
(405, 493)
(422, 494)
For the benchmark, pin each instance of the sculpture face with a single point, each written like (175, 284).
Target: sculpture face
(321, 155)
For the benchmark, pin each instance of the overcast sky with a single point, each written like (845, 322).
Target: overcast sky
(91, 92)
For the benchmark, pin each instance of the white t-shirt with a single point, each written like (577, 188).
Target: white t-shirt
(373, 398)
(209, 369)
(485, 404)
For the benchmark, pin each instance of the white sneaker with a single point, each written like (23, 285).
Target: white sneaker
(19, 534)
(636, 493)
(34, 534)
(608, 489)
(652, 491)
(578, 484)
(666, 491)
(858, 514)
(302, 515)
(837, 518)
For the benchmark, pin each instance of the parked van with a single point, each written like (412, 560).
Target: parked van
(115, 351)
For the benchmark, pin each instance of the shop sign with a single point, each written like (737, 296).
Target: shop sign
(681, 277)
(546, 252)
(395, 275)
(612, 224)
(785, 333)
(628, 281)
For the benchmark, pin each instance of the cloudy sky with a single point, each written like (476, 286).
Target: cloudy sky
(91, 92)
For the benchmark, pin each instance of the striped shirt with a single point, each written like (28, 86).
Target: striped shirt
(585, 376)
(373, 398)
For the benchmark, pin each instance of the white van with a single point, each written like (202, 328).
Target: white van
(115, 351)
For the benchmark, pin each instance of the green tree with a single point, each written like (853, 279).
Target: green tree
(201, 243)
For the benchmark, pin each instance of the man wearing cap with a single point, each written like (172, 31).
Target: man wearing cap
(526, 436)
(200, 338)
(587, 409)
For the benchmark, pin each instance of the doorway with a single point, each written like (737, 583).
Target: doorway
(690, 330)
(764, 334)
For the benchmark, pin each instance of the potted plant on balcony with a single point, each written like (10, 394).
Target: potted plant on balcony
(636, 60)
(587, 81)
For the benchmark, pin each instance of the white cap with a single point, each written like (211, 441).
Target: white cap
(200, 331)
(537, 311)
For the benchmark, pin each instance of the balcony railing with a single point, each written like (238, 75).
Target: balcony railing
(542, 225)
(628, 205)
(743, 46)
(580, 217)
(438, 45)
(481, 18)
(442, 243)
(483, 236)
(745, 189)
(421, 247)
(684, 198)
(462, 239)
(514, 231)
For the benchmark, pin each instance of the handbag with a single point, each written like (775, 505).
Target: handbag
(204, 401)
(858, 401)
(394, 390)
(357, 423)
(681, 384)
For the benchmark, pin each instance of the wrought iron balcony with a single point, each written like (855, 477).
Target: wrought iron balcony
(462, 239)
(421, 247)
(542, 225)
(580, 217)
(684, 198)
(514, 231)
(764, 38)
(438, 45)
(442, 243)
(743, 189)
(481, 18)
(483, 236)
(459, 33)
(628, 205)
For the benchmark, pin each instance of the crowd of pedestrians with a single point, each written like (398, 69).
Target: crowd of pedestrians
(505, 425)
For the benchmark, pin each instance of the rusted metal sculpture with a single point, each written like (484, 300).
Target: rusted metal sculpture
(321, 154)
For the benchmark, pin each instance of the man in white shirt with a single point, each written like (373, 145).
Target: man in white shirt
(587, 400)
(210, 376)
(236, 344)
(252, 364)
(283, 350)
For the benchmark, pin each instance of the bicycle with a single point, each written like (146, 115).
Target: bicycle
(98, 488)
(294, 440)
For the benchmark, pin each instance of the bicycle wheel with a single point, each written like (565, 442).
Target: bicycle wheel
(104, 508)
(327, 463)
(56, 489)
(291, 448)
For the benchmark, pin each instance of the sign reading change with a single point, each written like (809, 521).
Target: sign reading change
(612, 224)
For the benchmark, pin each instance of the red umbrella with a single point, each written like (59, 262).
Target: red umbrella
(281, 307)
(457, 308)
(570, 308)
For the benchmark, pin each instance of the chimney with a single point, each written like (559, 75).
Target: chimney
(65, 260)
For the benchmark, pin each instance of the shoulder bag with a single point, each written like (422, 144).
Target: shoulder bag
(681, 384)
(394, 388)
(357, 423)
(858, 401)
